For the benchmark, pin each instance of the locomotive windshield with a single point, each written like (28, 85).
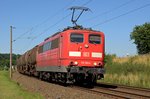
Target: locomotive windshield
(76, 37)
(94, 39)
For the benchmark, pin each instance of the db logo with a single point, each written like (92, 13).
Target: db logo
(86, 54)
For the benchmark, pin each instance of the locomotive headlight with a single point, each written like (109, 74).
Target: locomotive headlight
(94, 63)
(76, 63)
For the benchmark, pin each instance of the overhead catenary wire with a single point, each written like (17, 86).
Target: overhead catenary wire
(50, 17)
(22, 34)
(28, 31)
(116, 17)
(54, 24)
(86, 2)
(37, 25)
(59, 21)
(39, 35)
(63, 18)
(109, 11)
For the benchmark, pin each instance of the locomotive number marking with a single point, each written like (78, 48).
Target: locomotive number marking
(85, 62)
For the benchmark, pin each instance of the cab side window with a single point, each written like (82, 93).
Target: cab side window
(40, 49)
(55, 43)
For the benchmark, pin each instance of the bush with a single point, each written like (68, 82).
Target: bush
(133, 71)
(109, 58)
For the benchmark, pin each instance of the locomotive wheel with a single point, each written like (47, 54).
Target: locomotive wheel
(91, 80)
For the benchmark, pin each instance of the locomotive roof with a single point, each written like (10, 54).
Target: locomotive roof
(72, 28)
(79, 28)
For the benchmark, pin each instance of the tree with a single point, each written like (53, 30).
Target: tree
(4, 60)
(141, 37)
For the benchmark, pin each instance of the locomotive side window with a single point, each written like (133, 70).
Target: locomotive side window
(55, 43)
(76, 37)
(47, 46)
(94, 39)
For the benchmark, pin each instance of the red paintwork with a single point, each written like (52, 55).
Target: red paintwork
(60, 56)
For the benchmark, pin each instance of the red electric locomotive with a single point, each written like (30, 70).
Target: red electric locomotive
(74, 55)
(78, 53)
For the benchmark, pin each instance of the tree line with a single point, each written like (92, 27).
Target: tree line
(5, 60)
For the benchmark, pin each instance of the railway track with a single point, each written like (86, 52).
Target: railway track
(141, 92)
(98, 92)
(118, 91)
(114, 91)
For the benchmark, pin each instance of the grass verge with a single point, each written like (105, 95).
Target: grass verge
(131, 71)
(10, 89)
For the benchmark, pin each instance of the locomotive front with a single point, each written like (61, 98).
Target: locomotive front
(82, 51)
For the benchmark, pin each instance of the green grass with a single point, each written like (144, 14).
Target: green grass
(10, 89)
(131, 71)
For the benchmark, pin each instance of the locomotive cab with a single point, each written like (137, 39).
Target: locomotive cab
(83, 53)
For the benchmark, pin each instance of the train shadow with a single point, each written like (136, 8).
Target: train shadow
(85, 85)
(103, 85)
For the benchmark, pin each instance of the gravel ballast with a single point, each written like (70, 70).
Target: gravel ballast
(50, 90)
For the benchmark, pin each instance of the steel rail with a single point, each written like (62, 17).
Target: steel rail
(128, 90)
(108, 85)
(98, 92)
(123, 93)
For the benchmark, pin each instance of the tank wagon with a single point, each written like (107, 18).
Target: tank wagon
(73, 55)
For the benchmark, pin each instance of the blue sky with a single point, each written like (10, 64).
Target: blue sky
(34, 20)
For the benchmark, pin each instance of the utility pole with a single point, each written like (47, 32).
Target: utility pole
(10, 69)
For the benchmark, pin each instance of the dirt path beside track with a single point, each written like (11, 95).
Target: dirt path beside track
(51, 91)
